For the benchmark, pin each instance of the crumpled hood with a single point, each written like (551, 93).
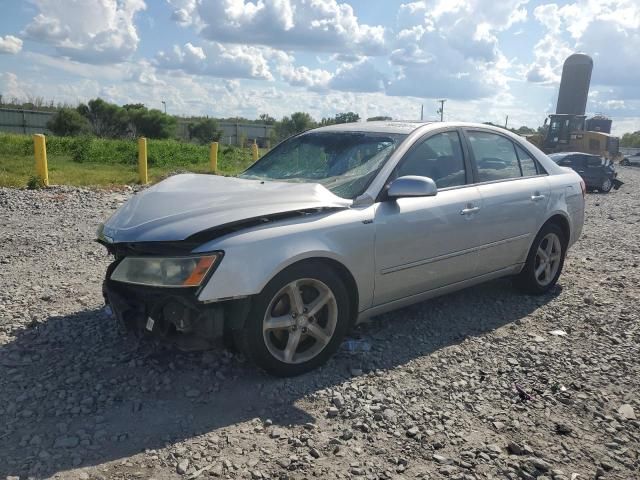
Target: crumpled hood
(183, 205)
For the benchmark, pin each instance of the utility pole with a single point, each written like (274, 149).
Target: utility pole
(165, 106)
(506, 121)
(441, 109)
(422, 112)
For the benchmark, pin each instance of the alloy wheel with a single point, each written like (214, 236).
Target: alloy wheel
(606, 185)
(300, 321)
(548, 258)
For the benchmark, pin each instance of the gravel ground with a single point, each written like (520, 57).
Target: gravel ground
(484, 383)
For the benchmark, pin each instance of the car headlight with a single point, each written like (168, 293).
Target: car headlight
(166, 272)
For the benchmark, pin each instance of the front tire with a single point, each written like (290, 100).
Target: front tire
(625, 162)
(544, 262)
(298, 320)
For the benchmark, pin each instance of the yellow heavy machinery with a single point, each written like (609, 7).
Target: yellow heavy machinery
(569, 130)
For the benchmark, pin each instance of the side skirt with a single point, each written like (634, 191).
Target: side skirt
(436, 292)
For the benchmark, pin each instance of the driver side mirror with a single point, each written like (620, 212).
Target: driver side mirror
(412, 186)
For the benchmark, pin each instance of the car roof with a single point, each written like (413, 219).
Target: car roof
(564, 154)
(391, 126)
(403, 126)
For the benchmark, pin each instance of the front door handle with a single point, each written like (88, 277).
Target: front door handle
(469, 210)
(537, 197)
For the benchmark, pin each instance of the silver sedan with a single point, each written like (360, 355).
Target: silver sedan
(332, 226)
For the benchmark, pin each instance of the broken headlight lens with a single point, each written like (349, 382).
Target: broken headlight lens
(165, 272)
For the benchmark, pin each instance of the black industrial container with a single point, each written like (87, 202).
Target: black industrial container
(574, 85)
(599, 124)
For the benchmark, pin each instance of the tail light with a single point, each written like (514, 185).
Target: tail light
(584, 188)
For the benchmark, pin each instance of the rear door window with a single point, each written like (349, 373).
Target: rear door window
(594, 162)
(495, 156)
(578, 161)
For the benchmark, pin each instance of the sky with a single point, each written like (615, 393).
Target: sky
(489, 58)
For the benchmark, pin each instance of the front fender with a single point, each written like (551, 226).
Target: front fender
(252, 258)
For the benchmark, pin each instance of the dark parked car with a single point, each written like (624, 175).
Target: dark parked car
(631, 159)
(598, 173)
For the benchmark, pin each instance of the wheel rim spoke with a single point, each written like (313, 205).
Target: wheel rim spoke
(315, 306)
(549, 248)
(278, 323)
(292, 345)
(540, 269)
(318, 333)
(295, 298)
(542, 254)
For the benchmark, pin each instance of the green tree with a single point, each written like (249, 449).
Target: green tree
(379, 118)
(630, 140)
(347, 117)
(106, 119)
(524, 130)
(68, 123)
(298, 122)
(205, 131)
(151, 123)
(267, 119)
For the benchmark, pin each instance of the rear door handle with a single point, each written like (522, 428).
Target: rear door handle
(469, 210)
(537, 197)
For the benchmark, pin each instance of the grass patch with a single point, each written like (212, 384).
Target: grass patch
(87, 161)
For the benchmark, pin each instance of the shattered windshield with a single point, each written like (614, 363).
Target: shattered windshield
(344, 162)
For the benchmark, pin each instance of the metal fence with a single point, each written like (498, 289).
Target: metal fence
(33, 121)
(24, 121)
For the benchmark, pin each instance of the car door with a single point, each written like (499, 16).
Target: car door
(594, 171)
(424, 243)
(578, 164)
(515, 193)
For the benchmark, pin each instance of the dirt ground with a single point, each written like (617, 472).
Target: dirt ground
(483, 383)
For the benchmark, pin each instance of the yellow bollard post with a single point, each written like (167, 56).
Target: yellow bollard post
(254, 151)
(40, 151)
(142, 160)
(213, 157)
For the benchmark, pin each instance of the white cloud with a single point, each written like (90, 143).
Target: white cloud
(607, 30)
(182, 11)
(358, 77)
(316, 25)
(10, 44)
(449, 48)
(89, 31)
(218, 60)
(361, 76)
(313, 79)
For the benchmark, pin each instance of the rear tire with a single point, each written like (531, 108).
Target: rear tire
(625, 162)
(544, 262)
(606, 186)
(298, 320)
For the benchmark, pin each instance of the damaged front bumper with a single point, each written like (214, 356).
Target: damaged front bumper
(174, 315)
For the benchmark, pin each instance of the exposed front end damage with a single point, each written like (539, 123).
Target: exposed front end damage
(172, 315)
(164, 227)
